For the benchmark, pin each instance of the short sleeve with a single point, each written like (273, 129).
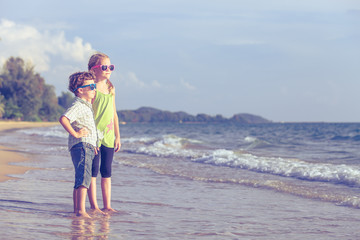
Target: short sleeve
(71, 113)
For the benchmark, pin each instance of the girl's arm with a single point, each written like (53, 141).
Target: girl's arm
(116, 127)
(65, 122)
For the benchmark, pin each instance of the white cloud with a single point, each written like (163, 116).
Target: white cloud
(156, 84)
(132, 79)
(187, 85)
(27, 42)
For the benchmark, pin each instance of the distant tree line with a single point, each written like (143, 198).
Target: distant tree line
(152, 115)
(24, 95)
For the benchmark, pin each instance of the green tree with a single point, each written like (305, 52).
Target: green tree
(26, 95)
(23, 86)
(50, 110)
(2, 105)
(12, 111)
(65, 99)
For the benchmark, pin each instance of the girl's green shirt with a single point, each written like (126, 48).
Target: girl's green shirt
(104, 118)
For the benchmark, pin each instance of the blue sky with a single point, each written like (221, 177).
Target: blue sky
(284, 60)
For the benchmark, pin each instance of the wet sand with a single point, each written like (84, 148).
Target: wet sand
(9, 155)
(157, 198)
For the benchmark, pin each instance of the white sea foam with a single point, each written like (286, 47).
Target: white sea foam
(56, 131)
(255, 143)
(174, 146)
(250, 139)
(168, 146)
(180, 147)
(137, 139)
(343, 174)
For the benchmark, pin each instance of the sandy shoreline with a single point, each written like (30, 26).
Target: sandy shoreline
(8, 155)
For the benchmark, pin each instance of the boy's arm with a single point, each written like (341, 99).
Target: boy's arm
(65, 122)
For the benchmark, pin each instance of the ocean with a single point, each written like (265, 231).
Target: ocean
(195, 181)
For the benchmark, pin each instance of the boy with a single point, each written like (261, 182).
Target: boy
(78, 121)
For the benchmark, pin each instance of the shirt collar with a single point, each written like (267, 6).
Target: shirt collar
(77, 99)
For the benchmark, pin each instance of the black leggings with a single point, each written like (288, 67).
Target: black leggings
(106, 155)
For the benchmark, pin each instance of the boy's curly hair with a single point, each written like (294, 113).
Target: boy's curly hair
(77, 80)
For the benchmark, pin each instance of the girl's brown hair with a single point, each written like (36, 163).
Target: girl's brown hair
(95, 60)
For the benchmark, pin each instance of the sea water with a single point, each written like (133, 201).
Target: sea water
(195, 181)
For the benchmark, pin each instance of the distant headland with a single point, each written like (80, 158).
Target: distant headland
(153, 115)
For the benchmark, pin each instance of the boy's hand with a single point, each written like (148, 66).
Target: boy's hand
(82, 133)
(96, 150)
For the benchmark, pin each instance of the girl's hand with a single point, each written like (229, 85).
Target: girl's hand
(117, 144)
(82, 133)
(96, 150)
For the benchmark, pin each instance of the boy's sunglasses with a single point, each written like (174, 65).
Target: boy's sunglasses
(104, 67)
(92, 86)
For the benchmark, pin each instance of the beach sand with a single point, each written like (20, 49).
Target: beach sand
(157, 197)
(9, 155)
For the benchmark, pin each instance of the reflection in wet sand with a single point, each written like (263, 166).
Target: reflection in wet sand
(90, 228)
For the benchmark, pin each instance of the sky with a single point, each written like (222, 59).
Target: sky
(283, 60)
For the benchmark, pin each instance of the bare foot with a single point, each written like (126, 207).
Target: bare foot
(97, 210)
(83, 214)
(109, 210)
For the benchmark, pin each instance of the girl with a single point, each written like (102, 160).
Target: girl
(107, 123)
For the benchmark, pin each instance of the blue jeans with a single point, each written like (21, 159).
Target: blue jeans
(82, 155)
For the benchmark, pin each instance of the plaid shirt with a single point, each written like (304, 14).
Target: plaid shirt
(81, 115)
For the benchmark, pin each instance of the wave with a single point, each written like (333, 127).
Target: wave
(166, 146)
(201, 172)
(256, 143)
(171, 145)
(193, 150)
(56, 131)
(341, 174)
(355, 138)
